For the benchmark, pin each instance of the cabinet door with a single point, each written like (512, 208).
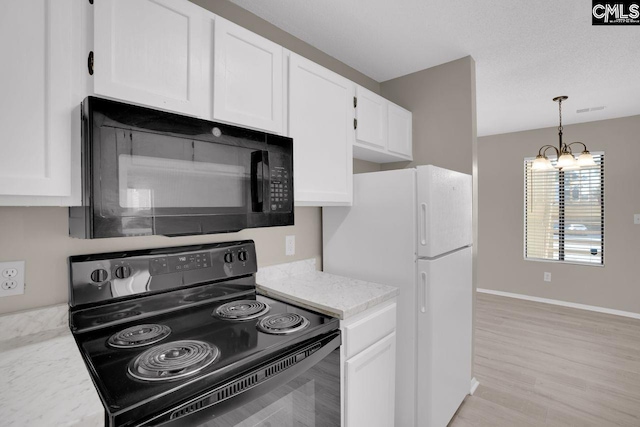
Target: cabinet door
(400, 133)
(247, 88)
(148, 52)
(321, 125)
(371, 113)
(38, 98)
(370, 385)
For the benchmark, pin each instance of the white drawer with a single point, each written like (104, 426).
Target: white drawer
(368, 330)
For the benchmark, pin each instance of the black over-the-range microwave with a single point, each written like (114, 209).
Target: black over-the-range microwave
(148, 172)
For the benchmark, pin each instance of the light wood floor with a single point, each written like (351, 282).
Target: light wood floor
(544, 365)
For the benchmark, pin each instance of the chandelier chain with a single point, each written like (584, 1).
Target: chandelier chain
(560, 113)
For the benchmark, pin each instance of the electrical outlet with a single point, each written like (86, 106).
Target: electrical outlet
(547, 276)
(636, 219)
(11, 278)
(290, 245)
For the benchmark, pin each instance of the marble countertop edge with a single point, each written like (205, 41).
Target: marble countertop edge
(325, 309)
(334, 295)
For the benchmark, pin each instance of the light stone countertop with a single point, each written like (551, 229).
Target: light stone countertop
(43, 379)
(341, 297)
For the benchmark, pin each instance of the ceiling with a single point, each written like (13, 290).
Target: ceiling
(526, 52)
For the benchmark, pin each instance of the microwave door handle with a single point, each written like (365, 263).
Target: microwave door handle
(257, 178)
(266, 182)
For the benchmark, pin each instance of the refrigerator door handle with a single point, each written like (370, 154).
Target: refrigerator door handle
(423, 224)
(423, 297)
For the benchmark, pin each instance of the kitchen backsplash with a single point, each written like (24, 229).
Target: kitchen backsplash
(39, 236)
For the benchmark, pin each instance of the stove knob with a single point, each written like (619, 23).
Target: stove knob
(123, 272)
(228, 257)
(242, 255)
(99, 275)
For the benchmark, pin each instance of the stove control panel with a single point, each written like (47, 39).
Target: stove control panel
(102, 277)
(178, 263)
(122, 272)
(99, 275)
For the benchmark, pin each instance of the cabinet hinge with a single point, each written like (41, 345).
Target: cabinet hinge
(355, 123)
(355, 102)
(90, 63)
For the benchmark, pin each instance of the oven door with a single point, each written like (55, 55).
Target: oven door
(306, 394)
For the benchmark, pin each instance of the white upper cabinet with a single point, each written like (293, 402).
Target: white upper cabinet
(383, 129)
(400, 133)
(149, 52)
(39, 106)
(321, 125)
(371, 113)
(247, 78)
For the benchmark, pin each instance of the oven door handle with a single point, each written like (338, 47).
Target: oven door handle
(259, 182)
(210, 413)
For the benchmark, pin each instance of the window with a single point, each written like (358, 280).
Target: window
(564, 214)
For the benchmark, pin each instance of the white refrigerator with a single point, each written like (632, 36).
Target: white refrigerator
(412, 228)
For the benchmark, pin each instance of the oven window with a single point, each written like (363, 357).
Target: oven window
(153, 182)
(290, 406)
(311, 399)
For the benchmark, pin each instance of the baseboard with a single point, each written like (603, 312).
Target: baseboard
(562, 303)
(474, 385)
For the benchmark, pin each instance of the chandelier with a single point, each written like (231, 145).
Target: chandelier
(566, 160)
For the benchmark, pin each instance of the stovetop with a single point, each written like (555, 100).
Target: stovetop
(240, 343)
(174, 309)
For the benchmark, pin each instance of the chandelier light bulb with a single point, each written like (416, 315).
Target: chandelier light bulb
(541, 163)
(586, 159)
(567, 161)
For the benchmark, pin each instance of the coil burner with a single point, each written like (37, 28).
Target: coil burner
(282, 323)
(242, 310)
(139, 336)
(173, 360)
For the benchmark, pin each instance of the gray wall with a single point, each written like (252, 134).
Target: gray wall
(442, 100)
(501, 186)
(40, 235)
(362, 166)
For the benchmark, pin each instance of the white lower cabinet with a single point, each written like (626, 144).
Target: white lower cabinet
(369, 363)
(321, 124)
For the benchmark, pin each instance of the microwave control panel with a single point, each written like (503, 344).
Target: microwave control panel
(281, 195)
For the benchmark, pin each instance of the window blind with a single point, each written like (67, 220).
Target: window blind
(564, 213)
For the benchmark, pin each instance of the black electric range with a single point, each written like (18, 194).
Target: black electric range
(167, 333)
